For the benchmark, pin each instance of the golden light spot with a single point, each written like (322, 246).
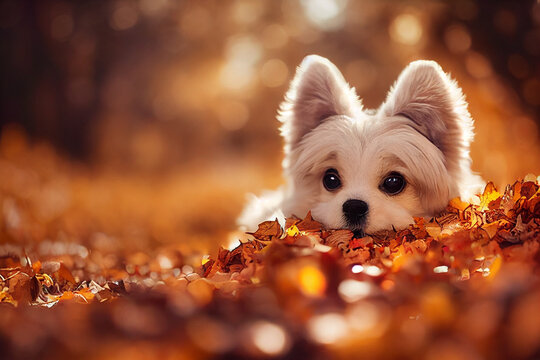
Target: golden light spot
(406, 29)
(312, 281)
(387, 284)
(352, 290)
(440, 269)
(325, 14)
(373, 270)
(242, 53)
(327, 328)
(165, 262)
(269, 338)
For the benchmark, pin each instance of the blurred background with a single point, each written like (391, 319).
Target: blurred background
(149, 120)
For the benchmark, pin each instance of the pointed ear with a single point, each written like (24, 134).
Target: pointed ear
(435, 106)
(317, 92)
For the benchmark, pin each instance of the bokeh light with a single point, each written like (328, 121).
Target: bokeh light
(327, 328)
(325, 14)
(312, 281)
(269, 338)
(406, 29)
(352, 290)
(242, 53)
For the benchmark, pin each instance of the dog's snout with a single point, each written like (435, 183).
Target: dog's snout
(355, 211)
(355, 207)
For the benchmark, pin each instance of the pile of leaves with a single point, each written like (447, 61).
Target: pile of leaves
(463, 285)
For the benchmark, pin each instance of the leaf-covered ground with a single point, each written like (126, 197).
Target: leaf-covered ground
(75, 284)
(464, 285)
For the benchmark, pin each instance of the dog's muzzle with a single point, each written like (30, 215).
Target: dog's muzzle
(355, 212)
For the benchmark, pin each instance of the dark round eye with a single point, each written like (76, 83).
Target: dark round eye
(331, 180)
(393, 184)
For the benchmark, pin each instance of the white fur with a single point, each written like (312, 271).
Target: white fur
(423, 131)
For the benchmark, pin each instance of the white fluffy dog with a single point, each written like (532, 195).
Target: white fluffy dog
(368, 170)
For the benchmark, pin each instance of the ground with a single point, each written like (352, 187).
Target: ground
(87, 272)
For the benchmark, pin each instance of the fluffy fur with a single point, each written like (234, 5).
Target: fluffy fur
(423, 131)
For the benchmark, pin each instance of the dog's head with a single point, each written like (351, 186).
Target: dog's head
(371, 170)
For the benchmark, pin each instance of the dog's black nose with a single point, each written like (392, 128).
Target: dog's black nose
(355, 211)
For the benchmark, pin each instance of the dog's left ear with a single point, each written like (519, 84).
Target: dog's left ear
(317, 92)
(434, 103)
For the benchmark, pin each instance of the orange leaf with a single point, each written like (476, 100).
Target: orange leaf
(267, 230)
(64, 273)
(490, 194)
(308, 224)
(456, 203)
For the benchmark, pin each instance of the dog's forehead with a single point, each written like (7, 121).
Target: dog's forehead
(369, 144)
(365, 134)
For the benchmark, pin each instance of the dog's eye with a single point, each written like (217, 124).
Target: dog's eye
(331, 180)
(393, 184)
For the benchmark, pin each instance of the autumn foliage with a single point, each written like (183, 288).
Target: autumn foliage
(461, 285)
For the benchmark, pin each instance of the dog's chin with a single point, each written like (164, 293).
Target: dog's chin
(358, 233)
(369, 227)
(358, 229)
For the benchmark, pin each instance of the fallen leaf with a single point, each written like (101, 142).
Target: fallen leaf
(267, 230)
(308, 224)
(23, 287)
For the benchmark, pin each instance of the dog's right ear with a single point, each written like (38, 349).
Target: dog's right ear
(317, 92)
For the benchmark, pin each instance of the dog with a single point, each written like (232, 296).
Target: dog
(370, 170)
